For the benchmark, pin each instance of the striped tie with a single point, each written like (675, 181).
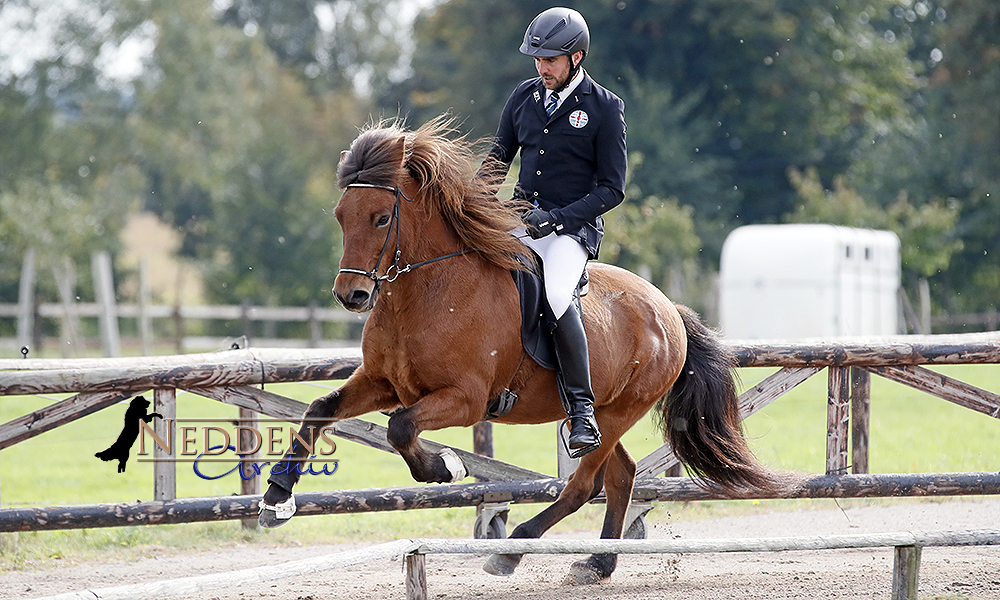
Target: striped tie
(553, 103)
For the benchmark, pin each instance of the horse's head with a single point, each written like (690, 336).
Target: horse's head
(368, 213)
(413, 198)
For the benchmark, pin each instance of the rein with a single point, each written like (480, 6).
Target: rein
(393, 271)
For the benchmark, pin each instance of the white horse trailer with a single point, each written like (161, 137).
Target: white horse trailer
(795, 281)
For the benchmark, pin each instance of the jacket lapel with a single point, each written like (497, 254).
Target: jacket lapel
(574, 100)
(539, 97)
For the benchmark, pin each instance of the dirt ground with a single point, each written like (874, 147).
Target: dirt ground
(951, 573)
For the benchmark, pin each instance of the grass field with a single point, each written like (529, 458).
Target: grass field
(910, 432)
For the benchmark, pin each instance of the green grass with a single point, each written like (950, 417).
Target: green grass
(910, 432)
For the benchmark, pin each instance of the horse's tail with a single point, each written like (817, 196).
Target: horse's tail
(700, 417)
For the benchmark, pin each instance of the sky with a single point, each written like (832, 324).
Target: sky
(28, 27)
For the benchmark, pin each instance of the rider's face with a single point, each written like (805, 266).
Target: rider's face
(554, 70)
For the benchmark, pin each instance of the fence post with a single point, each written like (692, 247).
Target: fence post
(245, 320)
(65, 276)
(26, 301)
(482, 440)
(837, 417)
(164, 471)
(249, 486)
(905, 572)
(104, 290)
(416, 576)
(861, 385)
(315, 327)
(924, 289)
(145, 322)
(178, 328)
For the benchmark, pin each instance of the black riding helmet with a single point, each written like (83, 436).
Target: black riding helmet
(555, 32)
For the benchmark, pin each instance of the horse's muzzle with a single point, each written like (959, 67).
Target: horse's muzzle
(355, 299)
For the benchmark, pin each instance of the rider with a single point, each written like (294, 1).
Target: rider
(571, 135)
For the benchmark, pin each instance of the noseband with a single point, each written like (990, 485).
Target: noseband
(393, 271)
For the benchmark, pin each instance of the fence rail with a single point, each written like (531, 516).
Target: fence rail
(216, 311)
(905, 573)
(229, 377)
(178, 319)
(668, 489)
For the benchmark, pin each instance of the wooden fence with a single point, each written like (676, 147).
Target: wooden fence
(661, 489)
(29, 313)
(229, 376)
(177, 321)
(907, 548)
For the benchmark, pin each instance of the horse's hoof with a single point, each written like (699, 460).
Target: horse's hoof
(502, 564)
(582, 573)
(276, 515)
(269, 520)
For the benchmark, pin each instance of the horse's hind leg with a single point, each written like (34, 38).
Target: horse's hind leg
(583, 485)
(618, 480)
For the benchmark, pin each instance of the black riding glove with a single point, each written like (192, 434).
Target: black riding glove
(539, 223)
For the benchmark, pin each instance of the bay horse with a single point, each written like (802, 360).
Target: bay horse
(428, 250)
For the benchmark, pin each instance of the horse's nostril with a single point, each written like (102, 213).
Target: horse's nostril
(357, 298)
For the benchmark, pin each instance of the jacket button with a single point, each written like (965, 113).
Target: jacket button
(545, 131)
(541, 151)
(538, 172)
(535, 194)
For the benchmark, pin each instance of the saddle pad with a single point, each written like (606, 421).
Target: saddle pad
(537, 318)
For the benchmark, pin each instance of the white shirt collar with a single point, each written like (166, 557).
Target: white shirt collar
(565, 93)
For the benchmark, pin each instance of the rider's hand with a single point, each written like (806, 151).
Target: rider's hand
(539, 223)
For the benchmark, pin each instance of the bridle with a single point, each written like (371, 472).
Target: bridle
(393, 271)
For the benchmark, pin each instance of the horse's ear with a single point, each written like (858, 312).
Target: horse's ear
(401, 157)
(399, 151)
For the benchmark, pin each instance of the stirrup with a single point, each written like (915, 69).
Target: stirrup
(564, 429)
(282, 510)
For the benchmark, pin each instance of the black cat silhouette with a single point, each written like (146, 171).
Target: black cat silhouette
(120, 449)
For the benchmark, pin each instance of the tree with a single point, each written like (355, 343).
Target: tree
(65, 184)
(238, 156)
(927, 234)
(726, 94)
(950, 151)
(333, 45)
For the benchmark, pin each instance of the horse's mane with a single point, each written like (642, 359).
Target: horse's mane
(442, 163)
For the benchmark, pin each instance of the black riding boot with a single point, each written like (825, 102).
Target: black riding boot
(574, 378)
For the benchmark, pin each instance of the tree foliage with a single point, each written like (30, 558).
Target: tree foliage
(926, 233)
(722, 96)
(877, 113)
(725, 98)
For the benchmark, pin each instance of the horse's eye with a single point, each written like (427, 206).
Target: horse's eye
(382, 221)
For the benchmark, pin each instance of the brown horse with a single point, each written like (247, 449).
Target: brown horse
(427, 250)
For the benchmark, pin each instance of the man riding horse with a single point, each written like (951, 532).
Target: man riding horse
(571, 135)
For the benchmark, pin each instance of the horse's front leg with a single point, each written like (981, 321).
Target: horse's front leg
(447, 407)
(359, 395)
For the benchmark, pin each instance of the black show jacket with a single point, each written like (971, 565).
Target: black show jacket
(572, 163)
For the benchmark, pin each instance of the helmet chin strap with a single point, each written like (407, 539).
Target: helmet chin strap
(573, 70)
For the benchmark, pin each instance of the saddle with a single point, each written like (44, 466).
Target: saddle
(536, 326)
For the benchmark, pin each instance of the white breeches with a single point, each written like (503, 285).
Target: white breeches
(563, 261)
